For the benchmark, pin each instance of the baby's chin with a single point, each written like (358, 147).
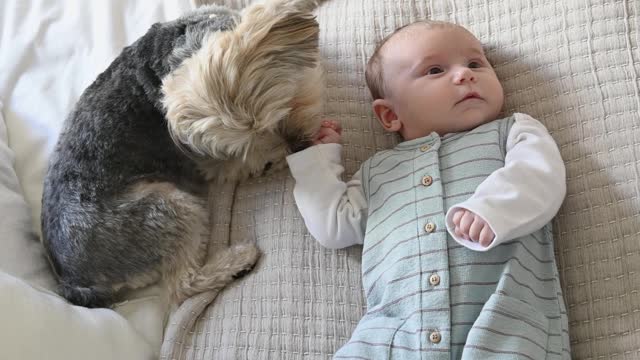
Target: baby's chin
(471, 119)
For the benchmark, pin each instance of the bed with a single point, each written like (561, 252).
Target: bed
(574, 65)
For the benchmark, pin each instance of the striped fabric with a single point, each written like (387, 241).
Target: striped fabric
(427, 295)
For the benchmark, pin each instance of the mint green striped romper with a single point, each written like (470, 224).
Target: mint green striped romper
(429, 297)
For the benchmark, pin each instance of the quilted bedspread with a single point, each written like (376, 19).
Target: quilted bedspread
(573, 64)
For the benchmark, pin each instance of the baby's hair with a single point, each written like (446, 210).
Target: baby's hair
(374, 74)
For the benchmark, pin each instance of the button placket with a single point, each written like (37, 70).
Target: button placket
(432, 241)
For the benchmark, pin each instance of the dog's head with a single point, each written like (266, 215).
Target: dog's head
(249, 96)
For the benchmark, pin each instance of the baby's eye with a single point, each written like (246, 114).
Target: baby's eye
(434, 70)
(475, 65)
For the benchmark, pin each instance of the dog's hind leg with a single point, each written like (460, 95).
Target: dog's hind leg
(182, 268)
(227, 264)
(155, 230)
(126, 241)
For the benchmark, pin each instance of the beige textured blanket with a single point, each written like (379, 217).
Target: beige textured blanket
(573, 64)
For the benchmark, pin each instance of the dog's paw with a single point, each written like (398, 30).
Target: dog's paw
(242, 273)
(226, 266)
(246, 256)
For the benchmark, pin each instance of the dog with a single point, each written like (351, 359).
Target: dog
(214, 96)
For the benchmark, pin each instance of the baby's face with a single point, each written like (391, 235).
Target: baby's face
(439, 80)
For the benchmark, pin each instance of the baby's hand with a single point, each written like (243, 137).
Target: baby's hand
(330, 133)
(470, 226)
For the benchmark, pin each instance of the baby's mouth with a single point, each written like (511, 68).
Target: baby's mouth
(470, 96)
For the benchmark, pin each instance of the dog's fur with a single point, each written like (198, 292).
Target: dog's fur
(214, 95)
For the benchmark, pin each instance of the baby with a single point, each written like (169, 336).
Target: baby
(457, 257)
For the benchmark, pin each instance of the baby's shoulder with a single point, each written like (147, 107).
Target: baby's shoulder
(519, 117)
(505, 121)
(378, 155)
(504, 125)
(523, 121)
(501, 125)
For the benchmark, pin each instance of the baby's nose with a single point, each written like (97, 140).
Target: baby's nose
(464, 74)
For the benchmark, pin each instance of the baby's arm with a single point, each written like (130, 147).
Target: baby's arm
(333, 211)
(524, 195)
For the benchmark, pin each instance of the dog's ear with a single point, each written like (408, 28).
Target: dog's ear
(295, 5)
(280, 27)
(242, 83)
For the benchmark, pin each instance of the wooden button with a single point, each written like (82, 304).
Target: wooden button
(430, 227)
(434, 279)
(424, 148)
(427, 180)
(435, 337)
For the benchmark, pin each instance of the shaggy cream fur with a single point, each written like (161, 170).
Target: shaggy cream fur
(250, 96)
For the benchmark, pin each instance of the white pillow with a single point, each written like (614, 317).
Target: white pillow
(21, 253)
(39, 325)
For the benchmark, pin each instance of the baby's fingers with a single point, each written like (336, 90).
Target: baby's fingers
(326, 136)
(332, 124)
(337, 127)
(457, 216)
(465, 223)
(332, 138)
(476, 227)
(322, 132)
(486, 236)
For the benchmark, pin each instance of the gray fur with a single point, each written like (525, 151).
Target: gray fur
(97, 230)
(211, 18)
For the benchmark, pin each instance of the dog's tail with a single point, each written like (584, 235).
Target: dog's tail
(91, 296)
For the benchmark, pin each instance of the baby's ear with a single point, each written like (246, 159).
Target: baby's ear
(385, 114)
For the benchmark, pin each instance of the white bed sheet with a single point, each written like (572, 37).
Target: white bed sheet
(51, 50)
